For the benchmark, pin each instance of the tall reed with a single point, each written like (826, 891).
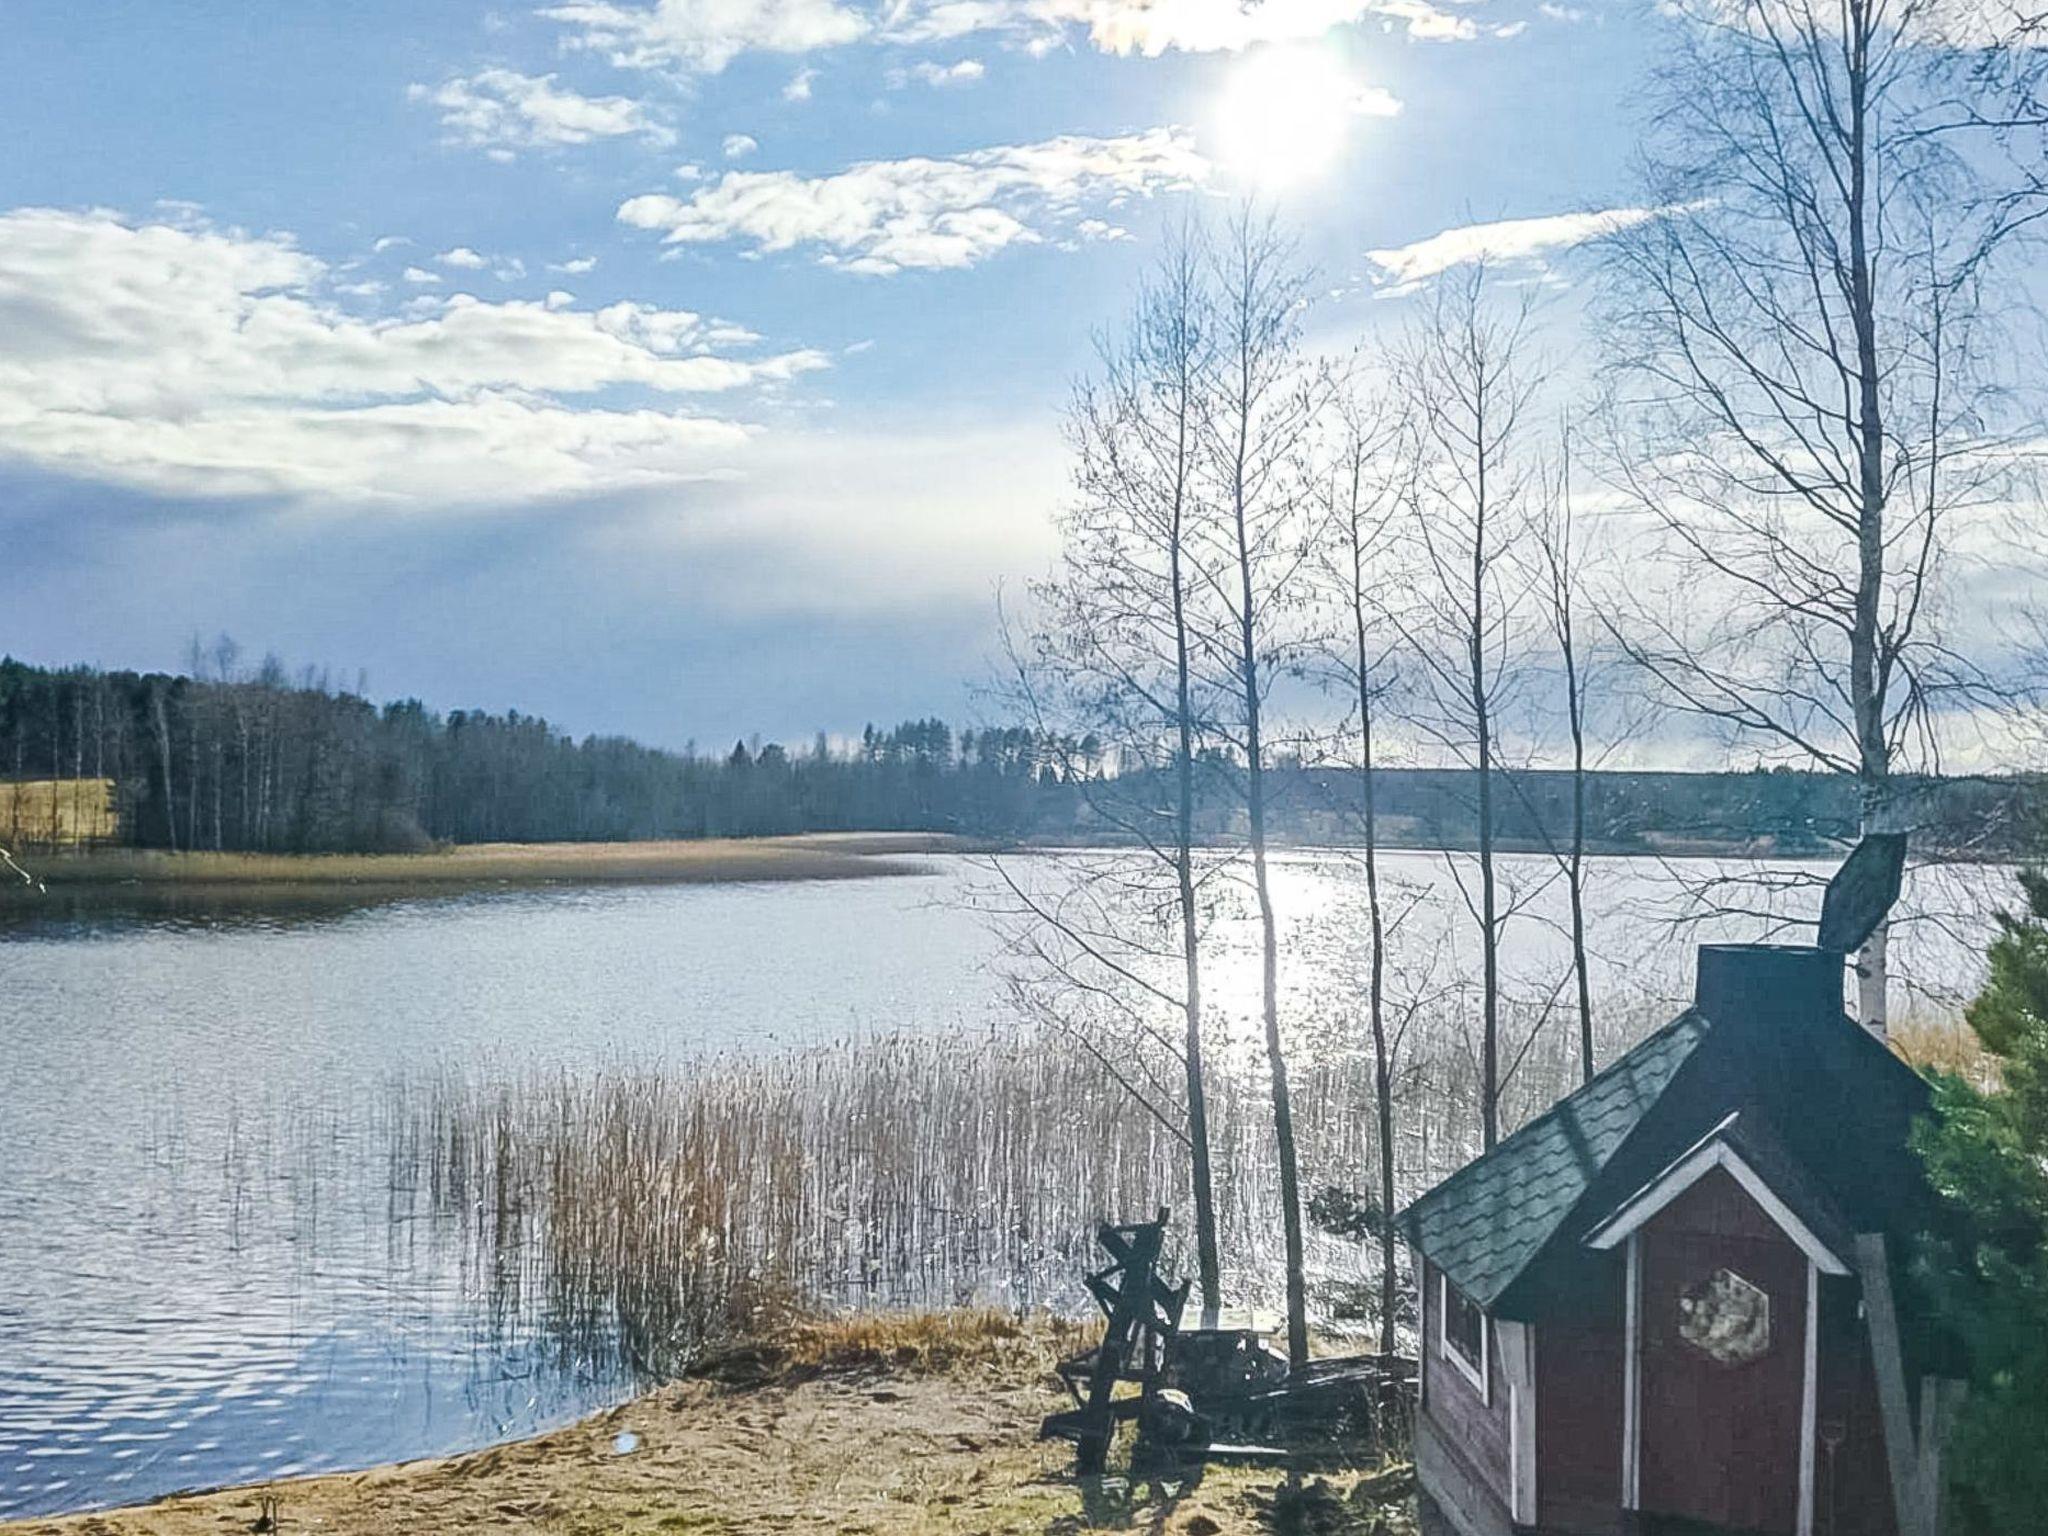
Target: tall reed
(647, 1208)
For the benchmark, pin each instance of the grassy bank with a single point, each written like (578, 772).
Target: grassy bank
(816, 857)
(886, 1425)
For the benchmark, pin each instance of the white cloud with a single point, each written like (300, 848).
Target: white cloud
(421, 276)
(883, 216)
(461, 256)
(1154, 27)
(799, 87)
(939, 76)
(1376, 101)
(183, 358)
(737, 145)
(936, 21)
(948, 508)
(501, 111)
(385, 243)
(705, 34)
(1509, 240)
(576, 266)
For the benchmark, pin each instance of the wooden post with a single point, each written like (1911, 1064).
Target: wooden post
(1913, 1458)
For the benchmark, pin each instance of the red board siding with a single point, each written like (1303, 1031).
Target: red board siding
(1852, 1482)
(1579, 1365)
(1721, 1443)
(1474, 1425)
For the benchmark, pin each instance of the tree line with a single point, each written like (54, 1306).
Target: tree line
(263, 761)
(257, 760)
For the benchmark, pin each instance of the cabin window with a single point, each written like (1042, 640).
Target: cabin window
(1463, 1333)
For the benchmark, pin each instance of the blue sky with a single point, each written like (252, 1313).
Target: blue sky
(678, 369)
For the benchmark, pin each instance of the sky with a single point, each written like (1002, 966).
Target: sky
(686, 369)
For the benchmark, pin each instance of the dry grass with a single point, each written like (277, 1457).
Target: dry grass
(968, 1341)
(479, 864)
(646, 1212)
(1944, 1044)
(894, 1426)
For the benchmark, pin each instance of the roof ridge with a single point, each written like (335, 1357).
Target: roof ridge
(1536, 1123)
(1484, 1223)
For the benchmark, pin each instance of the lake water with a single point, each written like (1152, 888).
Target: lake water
(189, 1297)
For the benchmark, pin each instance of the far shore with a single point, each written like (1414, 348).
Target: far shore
(818, 856)
(149, 878)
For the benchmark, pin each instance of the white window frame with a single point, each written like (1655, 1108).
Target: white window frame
(1478, 1376)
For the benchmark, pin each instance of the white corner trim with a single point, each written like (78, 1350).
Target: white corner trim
(1688, 1171)
(1809, 1400)
(1631, 1380)
(1518, 1365)
(1479, 1378)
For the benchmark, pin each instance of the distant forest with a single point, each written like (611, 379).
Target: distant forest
(271, 762)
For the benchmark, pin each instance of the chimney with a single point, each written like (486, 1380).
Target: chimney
(1786, 984)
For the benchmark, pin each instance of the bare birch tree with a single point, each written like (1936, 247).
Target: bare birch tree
(1354, 550)
(1114, 646)
(1799, 409)
(1469, 384)
(1261, 407)
(1558, 543)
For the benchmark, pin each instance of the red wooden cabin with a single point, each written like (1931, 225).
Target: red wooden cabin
(1644, 1311)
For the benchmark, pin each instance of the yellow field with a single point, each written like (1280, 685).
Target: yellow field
(57, 813)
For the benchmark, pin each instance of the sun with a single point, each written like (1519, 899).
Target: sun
(1283, 114)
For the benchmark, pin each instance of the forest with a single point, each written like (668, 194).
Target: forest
(267, 761)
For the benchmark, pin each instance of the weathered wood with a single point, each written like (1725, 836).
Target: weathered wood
(1940, 1401)
(1893, 1405)
(1140, 1314)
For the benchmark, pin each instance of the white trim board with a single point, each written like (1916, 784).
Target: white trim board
(1481, 1379)
(1630, 1217)
(1809, 1396)
(1518, 1364)
(1631, 1381)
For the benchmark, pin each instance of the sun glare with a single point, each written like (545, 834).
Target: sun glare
(1284, 113)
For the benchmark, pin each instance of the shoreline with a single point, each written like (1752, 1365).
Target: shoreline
(791, 856)
(887, 1424)
(128, 872)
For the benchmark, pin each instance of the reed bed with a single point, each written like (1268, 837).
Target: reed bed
(1938, 1043)
(820, 856)
(651, 1209)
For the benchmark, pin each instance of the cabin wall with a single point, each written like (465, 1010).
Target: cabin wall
(1721, 1443)
(1466, 1434)
(1852, 1482)
(1580, 1357)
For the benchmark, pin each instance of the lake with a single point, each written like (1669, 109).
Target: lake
(212, 1270)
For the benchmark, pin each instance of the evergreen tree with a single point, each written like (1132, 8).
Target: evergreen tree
(1987, 1152)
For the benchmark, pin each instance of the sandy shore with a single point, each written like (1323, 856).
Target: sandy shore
(870, 1443)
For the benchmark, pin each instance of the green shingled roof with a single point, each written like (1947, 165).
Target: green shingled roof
(1483, 1224)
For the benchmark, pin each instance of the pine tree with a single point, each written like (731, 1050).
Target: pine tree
(1987, 1153)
